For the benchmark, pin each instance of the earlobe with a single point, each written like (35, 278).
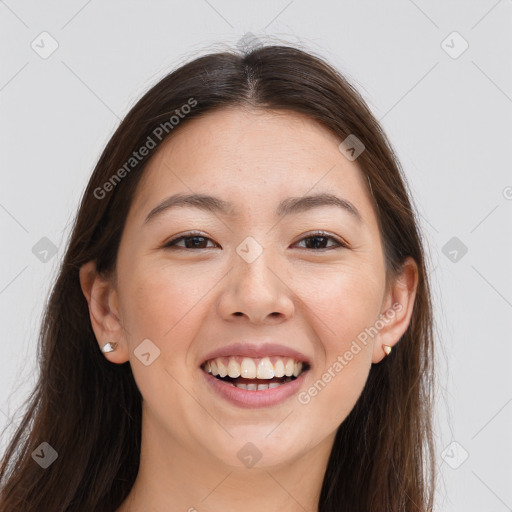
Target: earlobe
(101, 296)
(399, 305)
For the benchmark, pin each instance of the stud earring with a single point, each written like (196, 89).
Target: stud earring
(387, 349)
(108, 347)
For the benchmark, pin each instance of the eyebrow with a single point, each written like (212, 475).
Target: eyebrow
(288, 206)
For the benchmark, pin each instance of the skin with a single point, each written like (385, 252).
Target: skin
(191, 301)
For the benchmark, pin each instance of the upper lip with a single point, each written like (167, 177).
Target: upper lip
(255, 350)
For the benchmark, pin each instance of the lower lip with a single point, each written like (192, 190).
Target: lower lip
(254, 399)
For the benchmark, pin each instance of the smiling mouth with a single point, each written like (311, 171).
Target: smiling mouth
(255, 374)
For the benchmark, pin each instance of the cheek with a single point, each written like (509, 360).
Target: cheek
(343, 308)
(343, 302)
(162, 304)
(166, 305)
(346, 308)
(332, 394)
(159, 301)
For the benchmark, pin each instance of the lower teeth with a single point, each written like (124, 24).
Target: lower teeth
(260, 387)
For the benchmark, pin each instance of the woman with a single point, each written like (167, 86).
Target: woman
(243, 316)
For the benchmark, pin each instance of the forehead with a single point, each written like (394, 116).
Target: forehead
(253, 152)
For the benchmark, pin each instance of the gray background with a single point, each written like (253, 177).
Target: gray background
(448, 114)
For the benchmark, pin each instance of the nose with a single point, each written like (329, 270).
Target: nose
(258, 290)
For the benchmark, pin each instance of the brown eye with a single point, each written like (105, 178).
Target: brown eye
(191, 242)
(318, 240)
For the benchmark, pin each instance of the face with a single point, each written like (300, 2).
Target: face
(254, 282)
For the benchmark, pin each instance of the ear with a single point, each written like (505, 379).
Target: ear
(102, 300)
(397, 309)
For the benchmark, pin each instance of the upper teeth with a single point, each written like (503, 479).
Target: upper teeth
(249, 368)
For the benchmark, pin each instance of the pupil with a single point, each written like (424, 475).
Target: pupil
(315, 244)
(195, 238)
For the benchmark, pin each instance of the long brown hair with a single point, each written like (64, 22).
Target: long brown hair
(89, 410)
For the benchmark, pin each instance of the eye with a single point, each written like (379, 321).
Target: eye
(319, 237)
(315, 241)
(197, 241)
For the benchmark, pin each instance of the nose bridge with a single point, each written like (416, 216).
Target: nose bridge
(255, 287)
(253, 264)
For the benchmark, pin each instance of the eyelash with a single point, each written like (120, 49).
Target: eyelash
(317, 234)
